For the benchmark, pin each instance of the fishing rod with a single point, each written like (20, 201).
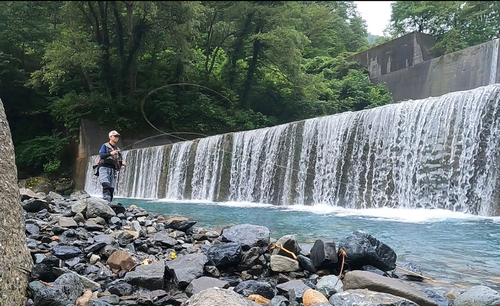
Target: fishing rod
(162, 133)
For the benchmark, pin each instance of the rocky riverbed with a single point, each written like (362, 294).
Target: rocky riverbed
(89, 252)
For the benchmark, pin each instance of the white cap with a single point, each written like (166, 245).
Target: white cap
(114, 133)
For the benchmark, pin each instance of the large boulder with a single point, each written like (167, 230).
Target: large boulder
(39, 184)
(374, 282)
(364, 249)
(14, 254)
(247, 235)
(478, 296)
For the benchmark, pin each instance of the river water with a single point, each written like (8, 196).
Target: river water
(453, 249)
(421, 176)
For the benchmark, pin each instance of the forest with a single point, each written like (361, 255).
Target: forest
(196, 68)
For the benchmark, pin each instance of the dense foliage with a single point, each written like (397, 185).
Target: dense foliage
(454, 24)
(201, 67)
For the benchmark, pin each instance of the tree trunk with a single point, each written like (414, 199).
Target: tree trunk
(106, 65)
(238, 49)
(252, 67)
(85, 71)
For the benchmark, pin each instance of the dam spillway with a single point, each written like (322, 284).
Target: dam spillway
(434, 153)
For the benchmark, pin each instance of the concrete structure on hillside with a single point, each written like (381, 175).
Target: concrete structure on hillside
(409, 70)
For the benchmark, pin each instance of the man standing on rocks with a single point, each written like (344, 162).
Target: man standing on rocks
(110, 162)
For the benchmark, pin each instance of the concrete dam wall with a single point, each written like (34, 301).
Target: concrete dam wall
(433, 153)
(440, 90)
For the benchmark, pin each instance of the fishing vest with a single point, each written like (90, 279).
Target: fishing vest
(114, 161)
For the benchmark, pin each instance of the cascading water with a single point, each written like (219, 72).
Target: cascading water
(207, 168)
(177, 170)
(439, 152)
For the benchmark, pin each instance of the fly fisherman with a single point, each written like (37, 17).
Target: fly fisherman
(110, 162)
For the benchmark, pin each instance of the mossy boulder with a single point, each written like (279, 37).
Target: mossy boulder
(39, 184)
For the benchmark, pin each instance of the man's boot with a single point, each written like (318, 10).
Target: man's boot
(106, 192)
(111, 193)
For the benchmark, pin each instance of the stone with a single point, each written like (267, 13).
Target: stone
(14, 254)
(218, 296)
(312, 297)
(120, 260)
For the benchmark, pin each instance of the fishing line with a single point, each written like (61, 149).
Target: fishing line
(183, 139)
(143, 101)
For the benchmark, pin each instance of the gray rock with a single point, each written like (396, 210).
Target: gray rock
(478, 296)
(163, 239)
(148, 276)
(186, 268)
(27, 193)
(67, 222)
(248, 235)
(289, 243)
(298, 288)
(65, 290)
(368, 280)
(97, 207)
(281, 263)
(120, 287)
(78, 207)
(224, 255)
(329, 285)
(204, 282)
(323, 254)
(66, 251)
(79, 195)
(87, 283)
(366, 297)
(249, 287)
(218, 296)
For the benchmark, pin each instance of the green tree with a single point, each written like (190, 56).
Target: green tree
(454, 24)
(200, 67)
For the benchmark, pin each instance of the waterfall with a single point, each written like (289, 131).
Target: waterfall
(440, 152)
(494, 61)
(177, 169)
(256, 162)
(207, 168)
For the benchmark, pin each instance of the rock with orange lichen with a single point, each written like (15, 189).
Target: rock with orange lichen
(84, 299)
(312, 297)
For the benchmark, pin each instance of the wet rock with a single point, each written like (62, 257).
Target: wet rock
(136, 258)
(34, 204)
(324, 254)
(364, 249)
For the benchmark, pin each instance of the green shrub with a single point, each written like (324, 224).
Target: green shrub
(41, 154)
